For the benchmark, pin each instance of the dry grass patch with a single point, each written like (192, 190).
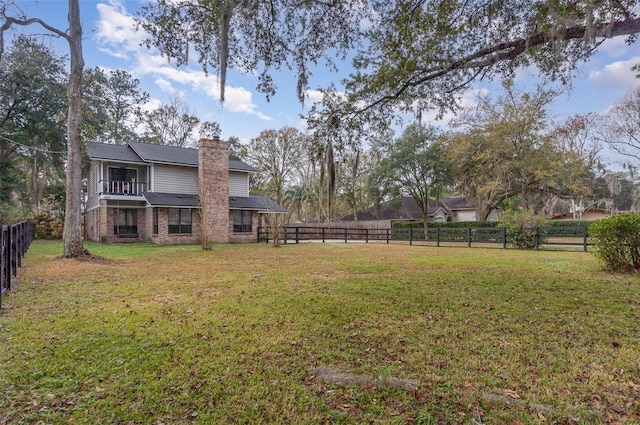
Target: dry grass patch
(237, 335)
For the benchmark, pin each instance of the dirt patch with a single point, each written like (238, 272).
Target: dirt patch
(331, 375)
(510, 401)
(95, 259)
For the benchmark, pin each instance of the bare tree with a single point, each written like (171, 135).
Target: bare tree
(621, 126)
(173, 125)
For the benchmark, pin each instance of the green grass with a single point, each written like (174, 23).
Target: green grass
(175, 334)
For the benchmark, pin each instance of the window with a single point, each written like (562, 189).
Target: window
(122, 181)
(126, 222)
(155, 221)
(241, 221)
(179, 220)
(123, 174)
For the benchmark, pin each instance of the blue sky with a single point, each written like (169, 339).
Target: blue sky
(111, 42)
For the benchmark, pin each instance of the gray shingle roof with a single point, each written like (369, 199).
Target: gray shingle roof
(138, 152)
(238, 165)
(156, 199)
(252, 203)
(165, 154)
(255, 203)
(121, 153)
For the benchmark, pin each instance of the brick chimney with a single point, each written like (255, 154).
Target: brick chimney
(213, 177)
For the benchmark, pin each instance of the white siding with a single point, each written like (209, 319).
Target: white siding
(92, 186)
(175, 179)
(238, 184)
(468, 215)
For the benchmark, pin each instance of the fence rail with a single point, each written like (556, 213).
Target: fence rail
(545, 236)
(14, 243)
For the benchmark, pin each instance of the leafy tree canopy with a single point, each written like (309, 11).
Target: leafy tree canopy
(112, 105)
(409, 54)
(415, 164)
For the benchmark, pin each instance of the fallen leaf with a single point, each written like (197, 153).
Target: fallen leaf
(511, 393)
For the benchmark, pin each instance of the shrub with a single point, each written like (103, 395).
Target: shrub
(48, 226)
(522, 228)
(617, 241)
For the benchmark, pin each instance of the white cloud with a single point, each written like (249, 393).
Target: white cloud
(118, 38)
(616, 76)
(315, 96)
(152, 105)
(165, 86)
(116, 28)
(614, 47)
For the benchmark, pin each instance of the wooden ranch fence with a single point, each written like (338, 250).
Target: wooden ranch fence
(559, 236)
(14, 243)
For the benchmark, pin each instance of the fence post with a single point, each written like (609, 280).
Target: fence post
(366, 235)
(322, 234)
(586, 235)
(410, 235)
(504, 238)
(297, 235)
(3, 263)
(7, 258)
(537, 238)
(388, 231)
(19, 244)
(284, 234)
(469, 237)
(14, 250)
(345, 235)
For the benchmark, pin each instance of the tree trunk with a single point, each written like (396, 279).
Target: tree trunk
(425, 217)
(72, 235)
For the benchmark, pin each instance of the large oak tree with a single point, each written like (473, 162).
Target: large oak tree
(10, 16)
(409, 55)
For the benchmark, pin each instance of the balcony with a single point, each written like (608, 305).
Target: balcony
(115, 187)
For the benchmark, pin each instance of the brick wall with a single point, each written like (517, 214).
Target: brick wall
(164, 238)
(213, 176)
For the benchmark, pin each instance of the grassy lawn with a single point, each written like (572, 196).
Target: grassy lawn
(319, 333)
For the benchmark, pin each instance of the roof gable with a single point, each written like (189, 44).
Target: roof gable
(150, 152)
(107, 152)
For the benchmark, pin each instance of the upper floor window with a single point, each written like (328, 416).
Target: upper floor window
(179, 220)
(128, 175)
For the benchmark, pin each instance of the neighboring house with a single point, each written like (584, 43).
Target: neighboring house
(406, 208)
(171, 195)
(590, 214)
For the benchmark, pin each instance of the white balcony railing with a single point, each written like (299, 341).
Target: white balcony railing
(114, 187)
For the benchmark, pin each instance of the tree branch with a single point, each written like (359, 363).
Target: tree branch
(507, 51)
(26, 22)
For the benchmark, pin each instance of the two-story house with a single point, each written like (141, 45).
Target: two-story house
(171, 195)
